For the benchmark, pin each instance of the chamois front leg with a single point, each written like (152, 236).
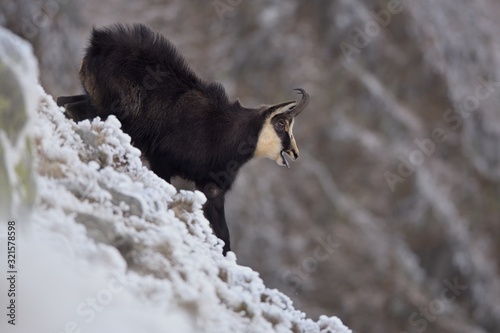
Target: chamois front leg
(214, 212)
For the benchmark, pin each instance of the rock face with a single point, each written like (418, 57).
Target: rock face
(395, 196)
(109, 246)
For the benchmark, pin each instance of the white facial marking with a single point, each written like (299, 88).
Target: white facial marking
(269, 143)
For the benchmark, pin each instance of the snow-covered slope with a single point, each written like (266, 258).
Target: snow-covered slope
(110, 247)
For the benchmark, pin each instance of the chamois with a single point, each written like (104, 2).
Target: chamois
(183, 125)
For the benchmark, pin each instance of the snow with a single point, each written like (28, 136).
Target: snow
(21, 73)
(109, 246)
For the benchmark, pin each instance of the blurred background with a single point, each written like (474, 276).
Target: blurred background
(390, 219)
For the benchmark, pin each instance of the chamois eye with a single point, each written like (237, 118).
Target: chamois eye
(280, 125)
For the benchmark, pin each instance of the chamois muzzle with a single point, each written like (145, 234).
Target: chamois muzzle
(302, 104)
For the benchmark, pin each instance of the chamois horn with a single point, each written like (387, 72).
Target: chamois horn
(302, 104)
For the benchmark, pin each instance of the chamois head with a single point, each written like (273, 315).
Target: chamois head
(276, 137)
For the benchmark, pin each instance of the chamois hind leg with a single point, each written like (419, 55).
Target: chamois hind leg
(214, 212)
(80, 111)
(77, 107)
(63, 100)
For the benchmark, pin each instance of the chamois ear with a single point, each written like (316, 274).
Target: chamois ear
(281, 108)
(291, 108)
